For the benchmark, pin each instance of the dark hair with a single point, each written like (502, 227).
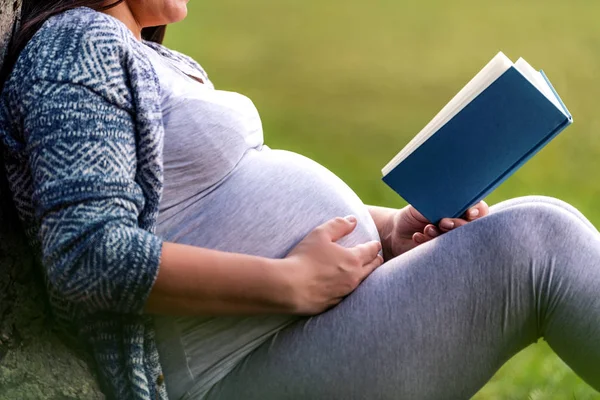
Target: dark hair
(33, 15)
(35, 12)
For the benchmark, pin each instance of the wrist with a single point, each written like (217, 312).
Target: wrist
(386, 226)
(284, 278)
(383, 218)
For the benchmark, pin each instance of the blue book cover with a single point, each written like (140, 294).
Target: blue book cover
(479, 147)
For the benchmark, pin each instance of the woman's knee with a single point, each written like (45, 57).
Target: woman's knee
(534, 199)
(542, 224)
(541, 200)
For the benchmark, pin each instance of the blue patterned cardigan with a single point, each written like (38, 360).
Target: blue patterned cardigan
(81, 129)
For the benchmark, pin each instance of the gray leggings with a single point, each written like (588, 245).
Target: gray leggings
(439, 321)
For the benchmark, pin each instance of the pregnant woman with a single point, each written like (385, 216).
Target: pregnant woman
(194, 262)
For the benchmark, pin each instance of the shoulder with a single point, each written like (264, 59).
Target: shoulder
(86, 48)
(188, 62)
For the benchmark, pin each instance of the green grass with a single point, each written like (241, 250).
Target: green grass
(349, 82)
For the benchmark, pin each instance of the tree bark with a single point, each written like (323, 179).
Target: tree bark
(10, 11)
(34, 362)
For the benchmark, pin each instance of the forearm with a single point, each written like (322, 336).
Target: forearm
(196, 281)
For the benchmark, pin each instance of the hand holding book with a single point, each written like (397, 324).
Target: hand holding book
(510, 110)
(407, 228)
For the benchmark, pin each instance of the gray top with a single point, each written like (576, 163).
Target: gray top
(225, 190)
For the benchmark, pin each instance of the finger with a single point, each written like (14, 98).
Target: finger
(367, 252)
(448, 224)
(483, 208)
(479, 210)
(337, 228)
(372, 266)
(431, 231)
(420, 238)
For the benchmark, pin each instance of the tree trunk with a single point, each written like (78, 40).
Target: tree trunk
(9, 11)
(34, 362)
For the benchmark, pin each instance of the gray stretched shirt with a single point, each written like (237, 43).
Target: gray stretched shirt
(225, 190)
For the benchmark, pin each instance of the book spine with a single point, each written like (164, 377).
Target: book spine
(556, 94)
(480, 196)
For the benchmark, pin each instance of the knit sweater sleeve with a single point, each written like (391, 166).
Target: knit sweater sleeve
(81, 151)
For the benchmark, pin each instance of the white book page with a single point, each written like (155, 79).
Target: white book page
(488, 75)
(537, 80)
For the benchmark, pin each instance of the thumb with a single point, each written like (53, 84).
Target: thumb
(416, 215)
(339, 227)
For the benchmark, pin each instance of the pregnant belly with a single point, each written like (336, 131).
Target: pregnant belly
(270, 201)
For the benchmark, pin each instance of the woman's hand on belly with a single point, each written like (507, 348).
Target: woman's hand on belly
(323, 272)
(315, 276)
(404, 229)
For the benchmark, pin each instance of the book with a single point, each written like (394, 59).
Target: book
(497, 122)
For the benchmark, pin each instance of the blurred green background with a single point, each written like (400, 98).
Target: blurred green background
(349, 83)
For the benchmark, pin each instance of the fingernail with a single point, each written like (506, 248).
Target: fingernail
(380, 259)
(418, 238)
(447, 224)
(350, 218)
(432, 232)
(473, 213)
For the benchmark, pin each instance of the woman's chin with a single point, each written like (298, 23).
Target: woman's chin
(180, 14)
(176, 10)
